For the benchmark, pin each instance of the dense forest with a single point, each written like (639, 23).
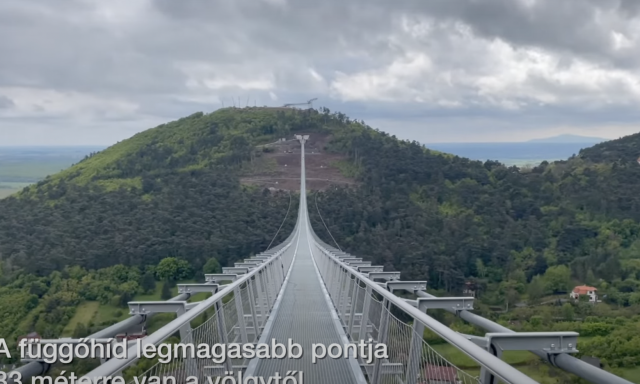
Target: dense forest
(523, 238)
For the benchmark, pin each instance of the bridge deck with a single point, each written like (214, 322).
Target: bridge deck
(305, 316)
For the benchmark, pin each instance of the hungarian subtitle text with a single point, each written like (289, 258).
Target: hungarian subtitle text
(166, 353)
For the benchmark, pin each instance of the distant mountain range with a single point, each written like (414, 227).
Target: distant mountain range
(562, 139)
(529, 152)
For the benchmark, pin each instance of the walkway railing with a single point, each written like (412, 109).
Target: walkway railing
(366, 310)
(239, 311)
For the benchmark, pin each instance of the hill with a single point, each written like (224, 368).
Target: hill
(625, 150)
(195, 189)
(173, 190)
(568, 138)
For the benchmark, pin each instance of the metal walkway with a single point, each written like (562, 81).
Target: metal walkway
(305, 316)
(303, 313)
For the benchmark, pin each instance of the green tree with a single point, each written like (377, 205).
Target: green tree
(212, 266)
(171, 268)
(166, 291)
(536, 289)
(148, 282)
(509, 292)
(558, 279)
(567, 311)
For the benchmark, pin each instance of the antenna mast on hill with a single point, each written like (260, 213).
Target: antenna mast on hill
(309, 103)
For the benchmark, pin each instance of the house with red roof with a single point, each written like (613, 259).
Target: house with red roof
(584, 290)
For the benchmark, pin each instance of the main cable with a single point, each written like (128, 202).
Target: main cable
(281, 224)
(325, 225)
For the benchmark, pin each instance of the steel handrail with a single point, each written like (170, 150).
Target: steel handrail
(483, 357)
(114, 366)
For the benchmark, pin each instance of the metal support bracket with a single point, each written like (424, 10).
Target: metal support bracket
(236, 270)
(197, 288)
(384, 275)
(245, 265)
(371, 268)
(359, 263)
(453, 303)
(351, 259)
(410, 286)
(550, 342)
(216, 277)
(147, 307)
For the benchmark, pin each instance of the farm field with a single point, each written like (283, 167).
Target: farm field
(22, 166)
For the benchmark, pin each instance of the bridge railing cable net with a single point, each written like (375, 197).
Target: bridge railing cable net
(237, 312)
(311, 292)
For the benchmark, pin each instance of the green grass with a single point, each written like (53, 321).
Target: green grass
(84, 314)
(461, 360)
(347, 168)
(631, 374)
(108, 314)
(103, 314)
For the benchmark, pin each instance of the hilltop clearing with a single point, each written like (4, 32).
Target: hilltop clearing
(279, 166)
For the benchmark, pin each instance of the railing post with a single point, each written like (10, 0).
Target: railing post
(222, 331)
(364, 321)
(237, 297)
(335, 276)
(415, 352)
(347, 303)
(252, 308)
(186, 337)
(270, 285)
(382, 338)
(267, 294)
(261, 299)
(354, 305)
(338, 299)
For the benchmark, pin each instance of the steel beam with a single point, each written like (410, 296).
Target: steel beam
(451, 303)
(563, 361)
(216, 277)
(410, 286)
(384, 275)
(197, 288)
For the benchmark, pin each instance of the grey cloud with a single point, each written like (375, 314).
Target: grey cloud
(6, 103)
(140, 58)
(572, 27)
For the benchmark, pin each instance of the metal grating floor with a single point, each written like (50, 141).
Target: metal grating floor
(304, 316)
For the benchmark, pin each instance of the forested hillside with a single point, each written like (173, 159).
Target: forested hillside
(518, 236)
(168, 191)
(447, 218)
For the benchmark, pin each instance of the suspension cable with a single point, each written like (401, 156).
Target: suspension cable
(325, 225)
(281, 224)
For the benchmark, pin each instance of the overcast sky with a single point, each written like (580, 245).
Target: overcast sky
(95, 72)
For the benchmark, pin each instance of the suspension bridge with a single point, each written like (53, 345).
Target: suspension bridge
(309, 292)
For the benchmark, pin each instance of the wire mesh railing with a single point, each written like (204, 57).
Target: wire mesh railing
(235, 313)
(410, 358)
